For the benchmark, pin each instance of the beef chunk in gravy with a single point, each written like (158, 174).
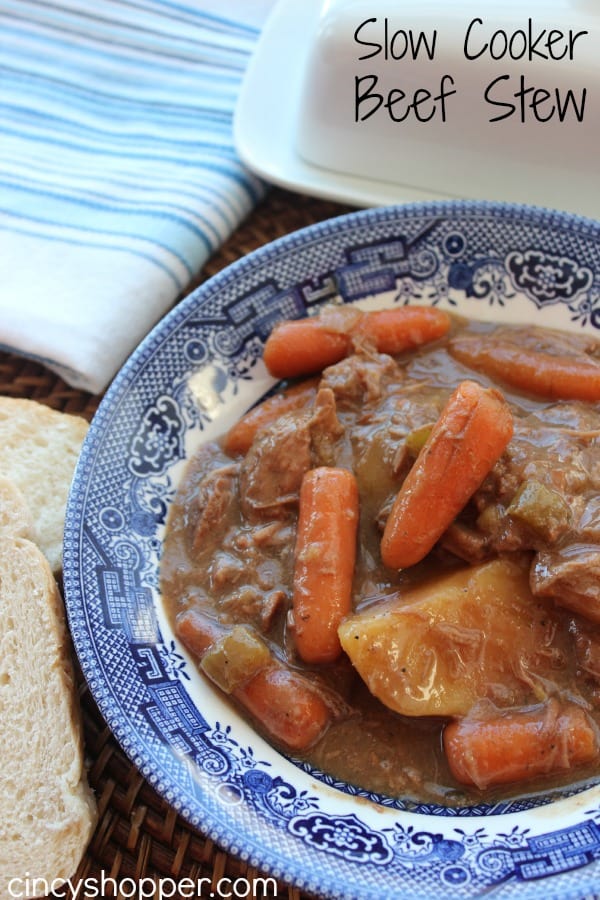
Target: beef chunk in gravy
(272, 470)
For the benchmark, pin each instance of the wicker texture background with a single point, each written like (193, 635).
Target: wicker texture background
(138, 834)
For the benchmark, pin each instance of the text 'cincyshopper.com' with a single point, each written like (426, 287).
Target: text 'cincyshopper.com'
(163, 888)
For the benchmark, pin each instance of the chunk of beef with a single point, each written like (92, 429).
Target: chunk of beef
(248, 576)
(553, 455)
(561, 457)
(217, 493)
(275, 536)
(225, 569)
(361, 378)
(247, 603)
(466, 542)
(325, 429)
(272, 470)
(571, 577)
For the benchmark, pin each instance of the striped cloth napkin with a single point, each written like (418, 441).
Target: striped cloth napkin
(118, 174)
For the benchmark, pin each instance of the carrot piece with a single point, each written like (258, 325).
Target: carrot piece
(546, 375)
(404, 328)
(305, 346)
(470, 435)
(325, 554)
(287, 705)
(240, 436)
(520, 744)
(290, 709)
(196, 631)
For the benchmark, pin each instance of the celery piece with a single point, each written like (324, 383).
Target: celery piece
(235, 658)
(540, 508)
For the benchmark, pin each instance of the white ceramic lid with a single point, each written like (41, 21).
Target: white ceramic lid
(508, 101)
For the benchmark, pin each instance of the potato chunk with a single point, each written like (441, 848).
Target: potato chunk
(474, 634)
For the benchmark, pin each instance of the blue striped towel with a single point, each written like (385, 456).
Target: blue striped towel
(118, 175)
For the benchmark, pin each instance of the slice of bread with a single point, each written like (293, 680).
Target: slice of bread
(47, 811)
(15, 516)
(39, 447)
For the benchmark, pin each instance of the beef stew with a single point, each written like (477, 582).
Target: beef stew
(413, 673)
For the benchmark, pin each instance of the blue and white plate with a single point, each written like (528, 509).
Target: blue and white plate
(196, 372)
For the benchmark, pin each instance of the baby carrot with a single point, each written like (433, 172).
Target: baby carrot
(543, 374)
(305, 346)
(520, 744)
(468, 438)
(325, 554)
(287, 705)
(404, 328)
(197, 631)
(240, 436)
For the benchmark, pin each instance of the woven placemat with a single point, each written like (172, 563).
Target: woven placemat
(139, 836)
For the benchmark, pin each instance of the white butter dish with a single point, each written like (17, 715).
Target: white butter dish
(382, 102)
